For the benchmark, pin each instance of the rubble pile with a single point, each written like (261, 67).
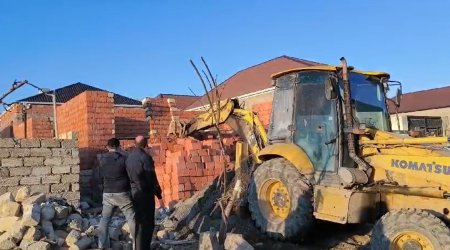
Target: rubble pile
(33, 222)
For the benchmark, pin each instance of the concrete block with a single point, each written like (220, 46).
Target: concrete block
(69, 144)
(208, 241)
(59, 188)
(61, 170)
(53, 161)
(20, 171)
(22, 194)
(70, 178)
(61, 212)
(7, 143)
(41, 152)
(9, 208)
(12, 162)
(50, 143)
(13, 190)
(71, 196)
(6, 197)
(52, 179)
(31, 214)
(30, 143)
(75, 152)
(31, 180)
(10, 239)
(40, 171)
(39, 245)
(33, 161)
(19, 152)
(9, 181)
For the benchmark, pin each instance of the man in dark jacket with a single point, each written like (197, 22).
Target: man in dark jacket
(116, 191)
(144, 188)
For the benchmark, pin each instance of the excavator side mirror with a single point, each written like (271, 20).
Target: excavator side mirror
(398, 97)
(330, 90)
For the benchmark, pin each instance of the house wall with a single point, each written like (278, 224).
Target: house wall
(130, 122)
(444, 113)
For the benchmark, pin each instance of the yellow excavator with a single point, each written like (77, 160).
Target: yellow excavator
(330, 155)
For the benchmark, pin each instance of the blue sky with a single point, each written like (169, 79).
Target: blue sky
(142, 48)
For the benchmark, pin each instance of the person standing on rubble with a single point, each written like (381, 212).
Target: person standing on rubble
(144, 188)
(116, 191)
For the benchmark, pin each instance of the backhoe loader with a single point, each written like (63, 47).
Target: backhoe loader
(330, 155)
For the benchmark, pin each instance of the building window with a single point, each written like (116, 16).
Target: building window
(429, 126)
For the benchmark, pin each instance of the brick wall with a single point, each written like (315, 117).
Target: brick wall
(264, 111)
(11, 123)
(130, 122)
(40, 121)
(89, 117)
(45, 165)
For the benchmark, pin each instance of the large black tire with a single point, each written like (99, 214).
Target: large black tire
(300, 216)
(392, 225)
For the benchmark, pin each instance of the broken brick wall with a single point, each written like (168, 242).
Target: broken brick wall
(11, 122)
(185, 165)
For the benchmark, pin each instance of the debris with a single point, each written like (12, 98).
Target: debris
(83, 243)
(84, 205)
(22, 194)
(7, 223)
(73, 237)
(34, 199)
(236, 242)
(8, 207)
(32, 234)
(31, 214)
(209, 241)
(47, 212)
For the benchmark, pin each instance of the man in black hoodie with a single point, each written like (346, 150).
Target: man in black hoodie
(116, 191)
(144, 188)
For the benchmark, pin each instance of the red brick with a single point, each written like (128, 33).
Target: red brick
(196, 159)
(206, 159)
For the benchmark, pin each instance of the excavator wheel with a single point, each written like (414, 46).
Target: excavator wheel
(410, 229)
(280, 200)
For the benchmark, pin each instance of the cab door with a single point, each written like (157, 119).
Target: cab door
(316, 130)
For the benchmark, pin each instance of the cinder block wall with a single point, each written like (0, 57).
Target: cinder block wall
(44, 165)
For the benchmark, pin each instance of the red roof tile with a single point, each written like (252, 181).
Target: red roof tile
(423, 100)
(254, 78)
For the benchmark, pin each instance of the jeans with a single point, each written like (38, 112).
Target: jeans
(112, 201)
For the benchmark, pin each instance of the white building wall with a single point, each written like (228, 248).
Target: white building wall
(444, 113)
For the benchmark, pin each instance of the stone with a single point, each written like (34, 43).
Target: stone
(22, 194)
(10, 239)
(50, 143)
(10, 181)
(4, 172)
(162, 235)
(12, 162)
(47, 212)
(70, 178)
(61, 170)
(52, 179)
(7, 143)
(75, 223)
(7, 223)
(208, 241)
(68, 144)
(59, 188)
(19, 152)
(6, 197)
(236, 242)
(59, 222)
(40, 152)
(20, 171)
(39, 245)
(47, 227)
(114, 233)
(9, 208)
(31, 214)
(32, 234)
(33, 161)
(61, 152)
(31, 180)
(4, 153)
(91, 231)
(82, 244)
(30, 143)
(44, 188)
(54, 161)
(39, 171)
(37, 198)
(60, 241)
(75, 169)
(24, 244)
(74, 187)
(61, 212)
